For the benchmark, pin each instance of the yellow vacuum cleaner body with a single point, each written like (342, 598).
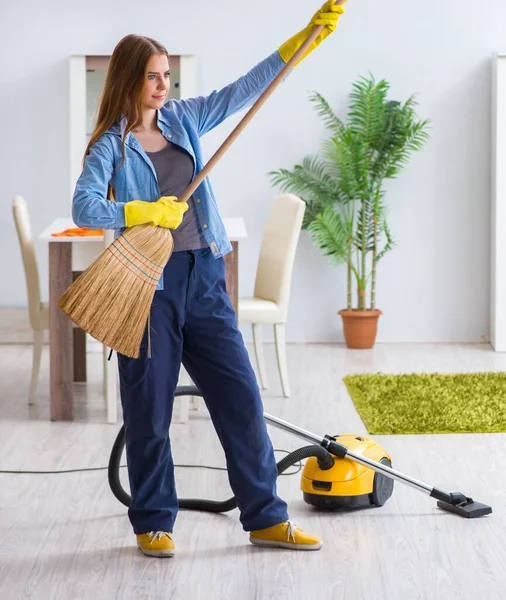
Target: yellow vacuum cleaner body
(348, 484)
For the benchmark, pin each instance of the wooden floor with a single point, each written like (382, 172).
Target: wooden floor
(65, 537)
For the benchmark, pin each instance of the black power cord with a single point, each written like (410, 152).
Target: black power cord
(299, 465)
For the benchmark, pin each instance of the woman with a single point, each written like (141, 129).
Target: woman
(149, 151)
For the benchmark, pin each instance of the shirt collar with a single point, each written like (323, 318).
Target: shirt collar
(119, 127)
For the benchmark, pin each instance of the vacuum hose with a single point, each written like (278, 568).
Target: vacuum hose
(325, 461)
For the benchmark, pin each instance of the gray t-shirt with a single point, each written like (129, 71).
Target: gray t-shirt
(174, 169)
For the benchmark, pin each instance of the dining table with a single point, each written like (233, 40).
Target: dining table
(69, 256)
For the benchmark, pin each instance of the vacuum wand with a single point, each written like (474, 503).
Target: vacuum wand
(451, 501)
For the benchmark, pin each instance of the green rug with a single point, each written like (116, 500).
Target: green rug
(430, 402)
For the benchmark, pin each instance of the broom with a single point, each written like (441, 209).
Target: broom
(111, 299)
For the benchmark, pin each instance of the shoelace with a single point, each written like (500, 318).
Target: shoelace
(291, 530)
(158, 535)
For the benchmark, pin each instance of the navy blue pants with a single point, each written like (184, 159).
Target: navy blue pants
(193, 322)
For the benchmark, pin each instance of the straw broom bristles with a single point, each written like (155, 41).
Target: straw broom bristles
(111, 300)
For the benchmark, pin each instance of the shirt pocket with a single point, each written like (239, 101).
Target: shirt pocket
(132, 180)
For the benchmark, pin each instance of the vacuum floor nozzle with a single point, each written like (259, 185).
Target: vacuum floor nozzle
(469, 509)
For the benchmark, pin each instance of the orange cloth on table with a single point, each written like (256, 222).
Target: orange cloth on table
(78, 232)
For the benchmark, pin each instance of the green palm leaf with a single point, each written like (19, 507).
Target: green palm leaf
(342, 185)
(322, 107)
(330, 234)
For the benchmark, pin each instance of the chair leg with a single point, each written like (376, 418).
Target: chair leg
(279, 337)
(186, 403)
(183, 414)
(38, 341)
(259, 355)
(110, 384)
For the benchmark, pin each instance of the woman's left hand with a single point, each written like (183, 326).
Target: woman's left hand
(328, 15)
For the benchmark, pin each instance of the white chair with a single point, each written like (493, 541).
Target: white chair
(269, 304)
(38, 311)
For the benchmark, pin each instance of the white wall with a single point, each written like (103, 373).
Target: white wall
(434, 286)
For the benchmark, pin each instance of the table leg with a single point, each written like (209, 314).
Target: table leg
(79, 335)
(60, 334)
(232, 274)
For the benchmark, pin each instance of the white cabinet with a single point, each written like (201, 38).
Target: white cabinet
(498, 206)
(87, 76)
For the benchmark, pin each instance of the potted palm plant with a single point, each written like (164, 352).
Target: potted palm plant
(343, 191)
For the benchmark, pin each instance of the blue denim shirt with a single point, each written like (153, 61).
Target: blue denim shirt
(182, 122)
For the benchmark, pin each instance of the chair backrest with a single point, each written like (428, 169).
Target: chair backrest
(277, 252)
(24, 231)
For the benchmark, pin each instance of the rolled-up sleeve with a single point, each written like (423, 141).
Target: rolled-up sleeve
(90, 206)
(207, 112)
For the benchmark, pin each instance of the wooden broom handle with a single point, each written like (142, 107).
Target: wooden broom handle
(251, 113)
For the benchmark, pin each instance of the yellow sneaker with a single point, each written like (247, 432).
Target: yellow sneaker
(156, 543)
(285, 535)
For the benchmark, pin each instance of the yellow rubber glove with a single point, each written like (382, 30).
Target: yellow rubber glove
(165, 212)
(328, 15)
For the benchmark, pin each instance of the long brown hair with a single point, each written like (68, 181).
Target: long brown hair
(124, 84)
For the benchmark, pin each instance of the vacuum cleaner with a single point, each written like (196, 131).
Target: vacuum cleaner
(341, 472)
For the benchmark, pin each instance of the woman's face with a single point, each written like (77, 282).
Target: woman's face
(157, 83)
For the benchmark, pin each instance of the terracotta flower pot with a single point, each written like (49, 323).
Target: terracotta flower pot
(360, 327)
